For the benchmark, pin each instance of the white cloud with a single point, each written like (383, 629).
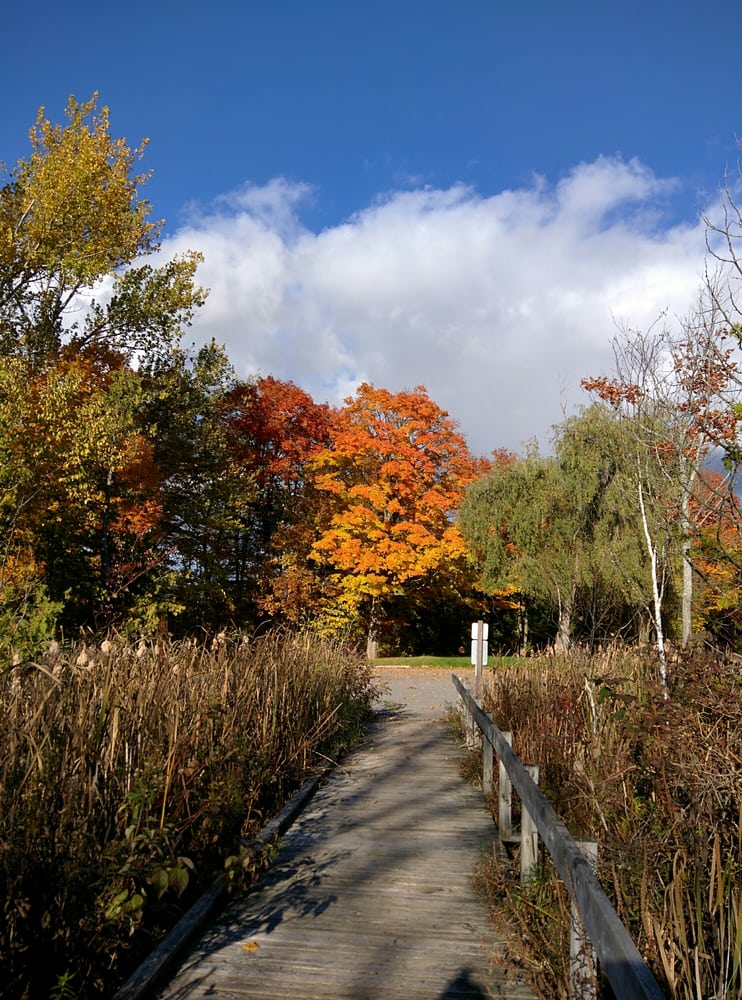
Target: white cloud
(498, 305)
(593, 190)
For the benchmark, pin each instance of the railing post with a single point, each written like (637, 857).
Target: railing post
(505, 798)
(479, 648)
(488, 763)
(468, 723)
(582, 961)
(473, 732)
(528, 835)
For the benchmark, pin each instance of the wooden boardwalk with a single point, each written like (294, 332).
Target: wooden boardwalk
(371, 895)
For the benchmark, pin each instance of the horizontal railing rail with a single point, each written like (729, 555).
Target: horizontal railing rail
(628, 974)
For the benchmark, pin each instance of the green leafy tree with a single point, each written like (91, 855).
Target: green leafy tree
(508, 519)
(553, 530)
(76, 482)
(206, 491)
(591, 449)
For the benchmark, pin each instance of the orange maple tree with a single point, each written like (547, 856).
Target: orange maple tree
(393, 478)
(274, 428)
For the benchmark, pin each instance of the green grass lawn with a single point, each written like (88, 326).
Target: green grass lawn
(452, 662)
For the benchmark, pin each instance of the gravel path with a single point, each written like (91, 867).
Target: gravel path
(420, 691)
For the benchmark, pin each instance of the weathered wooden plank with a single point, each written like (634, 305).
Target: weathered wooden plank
(371, 895)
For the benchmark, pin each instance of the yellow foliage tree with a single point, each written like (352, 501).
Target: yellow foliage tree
(70, 216)
(83, 320)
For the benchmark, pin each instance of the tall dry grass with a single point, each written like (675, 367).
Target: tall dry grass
(129, 773)
(658, 782)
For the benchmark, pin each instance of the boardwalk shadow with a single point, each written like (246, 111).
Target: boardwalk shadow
(292, 888)
(463, 988)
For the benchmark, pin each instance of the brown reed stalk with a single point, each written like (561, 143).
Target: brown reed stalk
(658, 782)
(129, 772)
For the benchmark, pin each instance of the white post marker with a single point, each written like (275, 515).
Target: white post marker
(479, 632)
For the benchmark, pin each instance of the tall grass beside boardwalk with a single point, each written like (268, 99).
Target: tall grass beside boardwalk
(657, 782)
(128, 775)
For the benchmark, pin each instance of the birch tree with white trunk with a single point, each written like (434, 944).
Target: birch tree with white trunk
(672, 388)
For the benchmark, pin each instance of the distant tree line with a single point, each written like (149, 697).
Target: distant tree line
(143, 485)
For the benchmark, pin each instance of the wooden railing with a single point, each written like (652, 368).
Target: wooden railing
(629, 976)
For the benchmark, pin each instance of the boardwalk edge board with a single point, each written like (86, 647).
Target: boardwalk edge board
(170, 946)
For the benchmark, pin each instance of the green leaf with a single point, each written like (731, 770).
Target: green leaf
(179, 879)
(159, 881)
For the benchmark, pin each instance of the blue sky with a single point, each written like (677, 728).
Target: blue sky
(467, 195)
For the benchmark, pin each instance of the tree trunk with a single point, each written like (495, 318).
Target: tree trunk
(686, 527)
(372, 645)
(564, 629)
(523, 616)
(687, 593)
(656, 590)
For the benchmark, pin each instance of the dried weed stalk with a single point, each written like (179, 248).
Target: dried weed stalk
(658, 783)
(129, 772)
